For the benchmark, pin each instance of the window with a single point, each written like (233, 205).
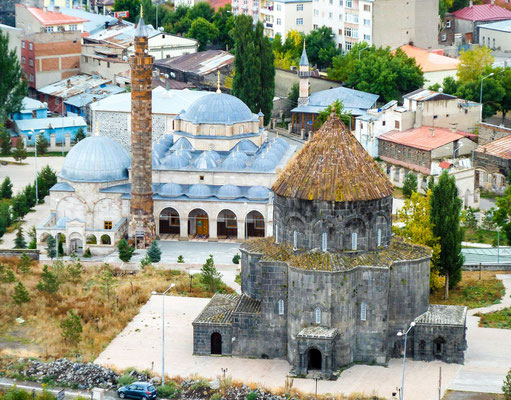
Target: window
(22, 44)
(363, 311)
(316, 12)
(201, 178)
(340, 3)
(295, 239)
(330, 15)
(73, 27)
(299, 21)
(23, 60)
(331, 2)
(348, 46)
(317, 315)
(493, 44)
(108, 225)
(299, 7)
(379, 237)
(49, 29)
(324, 241)
(230, 221)
(241, 129)
(367, 22)
(340, 19)
(444, 37)
(367, 7)
(30, 62)
(281, 307)
(448, 23)
(349, 4)
(367, 38)
(279, 7)
(354, 240)
(279, 21)
(57, 101)
(31, 78)
(396, 124)
(30, 46)
(351, 18)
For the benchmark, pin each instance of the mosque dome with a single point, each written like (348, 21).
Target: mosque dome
(182, 144)
(156, 160)
(246, 146)
(160, 149)
(168, 139)
(218, 108)
(228, 192)
(96, 159)
(258, 193)
(176, 159)
(171, 190)
(236, 160)
(206, 160)
(199, 190)
(262, 163)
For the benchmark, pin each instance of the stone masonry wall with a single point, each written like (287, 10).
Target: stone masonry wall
(452, 339)
(489, 133)
(202, 338)
(404, 153)
(491, 164)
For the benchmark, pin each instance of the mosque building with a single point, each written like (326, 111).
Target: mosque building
(208, 178)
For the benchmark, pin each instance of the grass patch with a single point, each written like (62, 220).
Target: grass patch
(103, 313)
(486, 194)
(484, 236)
(472, 292)
(398, 193)
(498, 319)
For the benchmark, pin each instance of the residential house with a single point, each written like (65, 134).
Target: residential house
(79, 103)
(492, 162)
(447, 33)
(496, 36)
(31, 109)
(435, 66)
(57, 131)
(57, 94)
(428, 151)
(422, 107)
(468, 20)
(281, 16)
(199, 69)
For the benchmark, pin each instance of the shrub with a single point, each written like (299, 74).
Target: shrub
(74, 270)
(42, 145)
(19, 241)
(32, 234)
(154, 252)
(7, 275)
(125, 380)
(49, 282)
(16, 394)
(24, 264)
(46, 394)
(125, 250)
(210, 277)
(71, 328)
(51, 251)
(144, 262)
(506, 387)
(19, 206)
(180, 259)
(236, 259)
(251, 396)
(6, 188)
(19, 153)
(409, 185)
(20, 294)
(168, 390)
(80, 135)
(87, 253)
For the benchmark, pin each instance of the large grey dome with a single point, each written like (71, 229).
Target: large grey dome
(96, 159)
(218, 108)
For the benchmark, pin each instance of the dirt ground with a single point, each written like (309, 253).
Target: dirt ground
(454, 395)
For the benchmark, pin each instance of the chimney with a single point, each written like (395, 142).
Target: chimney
(492, 2)
(471, 3)
(56, 10)
(45, 9)
(68, 83)
(454, 127)
(431, 132)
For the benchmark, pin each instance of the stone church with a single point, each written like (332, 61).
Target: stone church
(332, 287)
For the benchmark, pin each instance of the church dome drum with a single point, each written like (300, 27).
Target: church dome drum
(96, 159)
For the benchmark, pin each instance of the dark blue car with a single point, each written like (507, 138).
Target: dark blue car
(138, 390)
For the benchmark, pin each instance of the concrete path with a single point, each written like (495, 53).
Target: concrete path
(488, 357)
(139, 345)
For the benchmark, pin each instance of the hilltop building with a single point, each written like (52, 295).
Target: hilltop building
(332, 287)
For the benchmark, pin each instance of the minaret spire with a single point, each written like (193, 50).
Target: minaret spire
(304, 73)
(218, 90)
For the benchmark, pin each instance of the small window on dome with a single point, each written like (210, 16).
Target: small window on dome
(211, 130)
(281, 307)
(201, 178)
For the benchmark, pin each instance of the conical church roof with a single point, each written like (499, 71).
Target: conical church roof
(333, 166)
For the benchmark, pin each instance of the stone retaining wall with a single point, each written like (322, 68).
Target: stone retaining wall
(33, 254)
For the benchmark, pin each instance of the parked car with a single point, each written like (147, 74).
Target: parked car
(138, 390)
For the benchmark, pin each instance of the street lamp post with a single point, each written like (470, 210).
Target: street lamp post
(163, 332)
(405, 334)
(34, 135)
(362, 49)
(498, 244)
(481, 93)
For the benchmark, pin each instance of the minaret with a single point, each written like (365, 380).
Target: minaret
(141, 222)
(304, 73)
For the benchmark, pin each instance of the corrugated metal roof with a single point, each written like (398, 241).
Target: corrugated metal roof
(429, 61)
(502, 26)
(219, 310)
(94, 94)
(499, 148)
(94, 22)
(409, 165)
(483, 12)
(423, 138)
(443, 315)
(49, 18)
(74, 85)
(201, 63)
(37, 124)
(29, 104)
(62, 187)
(427, 95)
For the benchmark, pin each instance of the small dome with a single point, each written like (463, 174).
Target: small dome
(96, 159)
(156, 160)
(246, 145)
(199, 190)
(171, 190)
(280, 142)
(205, 161)
(168, 139)
(182, 144)
(235, 161)
(176, 159)
(228, 192)
(214, 155)
(262, 163)
(272, 154)
(61, 223)
(218, 108)
(160, 149)
(258, 193)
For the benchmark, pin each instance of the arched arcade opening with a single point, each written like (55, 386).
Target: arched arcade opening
(169, 223)
(227, 225)
(255, 224)
(314, 360)
(198, 224)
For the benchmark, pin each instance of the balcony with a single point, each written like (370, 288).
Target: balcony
(255, 9)
(244, 6)
(235, 4)
(268, 25)
(267, 10)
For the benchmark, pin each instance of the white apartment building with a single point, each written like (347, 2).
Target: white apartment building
(278, 16)
(380, 22)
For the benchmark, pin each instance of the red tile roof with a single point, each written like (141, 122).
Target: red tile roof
(430, 61)
(499, 148)
(216, 4)
(483, 12)
(49, 18)
(445, 164)
(422, 138)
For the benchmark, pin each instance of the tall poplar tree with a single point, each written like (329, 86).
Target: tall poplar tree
(267, 74)
(445, 217)
(13, 86)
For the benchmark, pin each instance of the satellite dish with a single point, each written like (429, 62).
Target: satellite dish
(166, 76)
(172, 74)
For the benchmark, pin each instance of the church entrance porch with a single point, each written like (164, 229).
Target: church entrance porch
(314, 359)
(198, 224)
(315, 347)
(169, 224)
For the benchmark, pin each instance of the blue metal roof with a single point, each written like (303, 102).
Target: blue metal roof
(304, 60)
(176, 159)
(96, 159)
(93, 94)
(182, 144)
(168, 139)
(160, 149)
(62, 187)
(94, 23)
(235, 161)
(263, 163)
(218, 108)
(503, 26)
(170, 190)
(228, 192)
(37, 124)
(246, 145)
(200, 190)
(61, 223)
(258, 193)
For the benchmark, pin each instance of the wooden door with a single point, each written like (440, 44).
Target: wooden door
(202, 225)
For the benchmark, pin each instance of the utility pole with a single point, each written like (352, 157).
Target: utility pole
(440, 384)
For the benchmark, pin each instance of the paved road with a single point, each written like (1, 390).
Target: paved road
(488, 357)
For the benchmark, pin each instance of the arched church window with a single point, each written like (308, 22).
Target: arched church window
(324, 240)
(317, 314)
(281, 307)
(241, 130)
(211, 130)
(354, 240)
(295, 239)
(276, 234)
(379, 237)
(363, 311)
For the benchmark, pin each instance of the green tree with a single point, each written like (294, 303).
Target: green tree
(5, 141)
(42, 145)
(473, 63)
(204, 31)
(74, 270)
(378, 70)
(19, 206)
(201, 9)
(266, 74)
(445, 217)
(224, 22)
(45, 181)
(6, 188)
(133, 6)
(80, 135)
(505, 80)
(107, 280)
(321, 47)
(409, 185)
(32, 234)
(19, 153)
(339, 111)
(29, 192)
(210, 277)
(19, 241)
(13, 86)
(49, 282)
(5, 217)
(71, 328)
(154, 252)
(293, 94)
(506, 386)
(20, 294)
(247, 65)
(51, 244)
(8, 275)
(24, 264)
(125, 250)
